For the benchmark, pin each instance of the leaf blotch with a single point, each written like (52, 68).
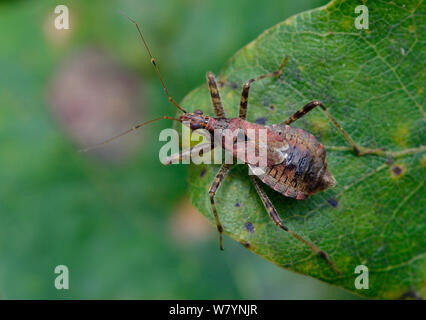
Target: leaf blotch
(232, 85)
(249, 226)
(246, 244)
(411, 295)
(397, 170)
(261, 120)
(203, 172)
(333, 202)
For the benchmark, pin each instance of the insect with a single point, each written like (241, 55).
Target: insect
(296, 160)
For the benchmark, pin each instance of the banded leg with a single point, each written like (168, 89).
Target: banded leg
(176, 158)
(360, 151)
(246, 88)
(214, 93)
(212, 192)
(277, 220)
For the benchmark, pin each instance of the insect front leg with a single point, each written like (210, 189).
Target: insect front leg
(186, 154)
(246, 88)
(214, 93)
(360, 151)
(277, 220)
(220, 176)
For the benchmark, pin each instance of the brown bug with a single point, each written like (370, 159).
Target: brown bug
(296, 160)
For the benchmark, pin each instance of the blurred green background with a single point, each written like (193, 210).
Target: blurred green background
(116, 217)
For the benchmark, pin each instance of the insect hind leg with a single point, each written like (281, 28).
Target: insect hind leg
(277, 220)
(360, 151)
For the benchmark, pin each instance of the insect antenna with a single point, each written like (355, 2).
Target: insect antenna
(162, 83)
(126, 132)
(152, 61)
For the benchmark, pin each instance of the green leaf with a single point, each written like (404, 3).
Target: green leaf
(372, 82)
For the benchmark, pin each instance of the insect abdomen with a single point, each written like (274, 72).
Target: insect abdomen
(304, 168)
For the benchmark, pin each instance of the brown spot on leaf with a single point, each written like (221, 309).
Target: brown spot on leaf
(223, 83)
(233, 85)
(397, 170)
(333, 202)
(249, 226)
(261, 120)
(245, 243)
(411, 295)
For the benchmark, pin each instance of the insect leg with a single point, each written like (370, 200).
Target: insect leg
(277, 220)
(246, 88)
(360, 151)
(300, 113)
(212, 192)
(186, 153)
(214, 93)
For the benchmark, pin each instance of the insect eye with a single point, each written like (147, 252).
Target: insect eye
(198, 111)
(206, 121)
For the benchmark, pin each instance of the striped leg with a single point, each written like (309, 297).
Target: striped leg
(214, 93)
(176, 158)
(246, 88)
(360, 151)
(220, 176)
(277, 220)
